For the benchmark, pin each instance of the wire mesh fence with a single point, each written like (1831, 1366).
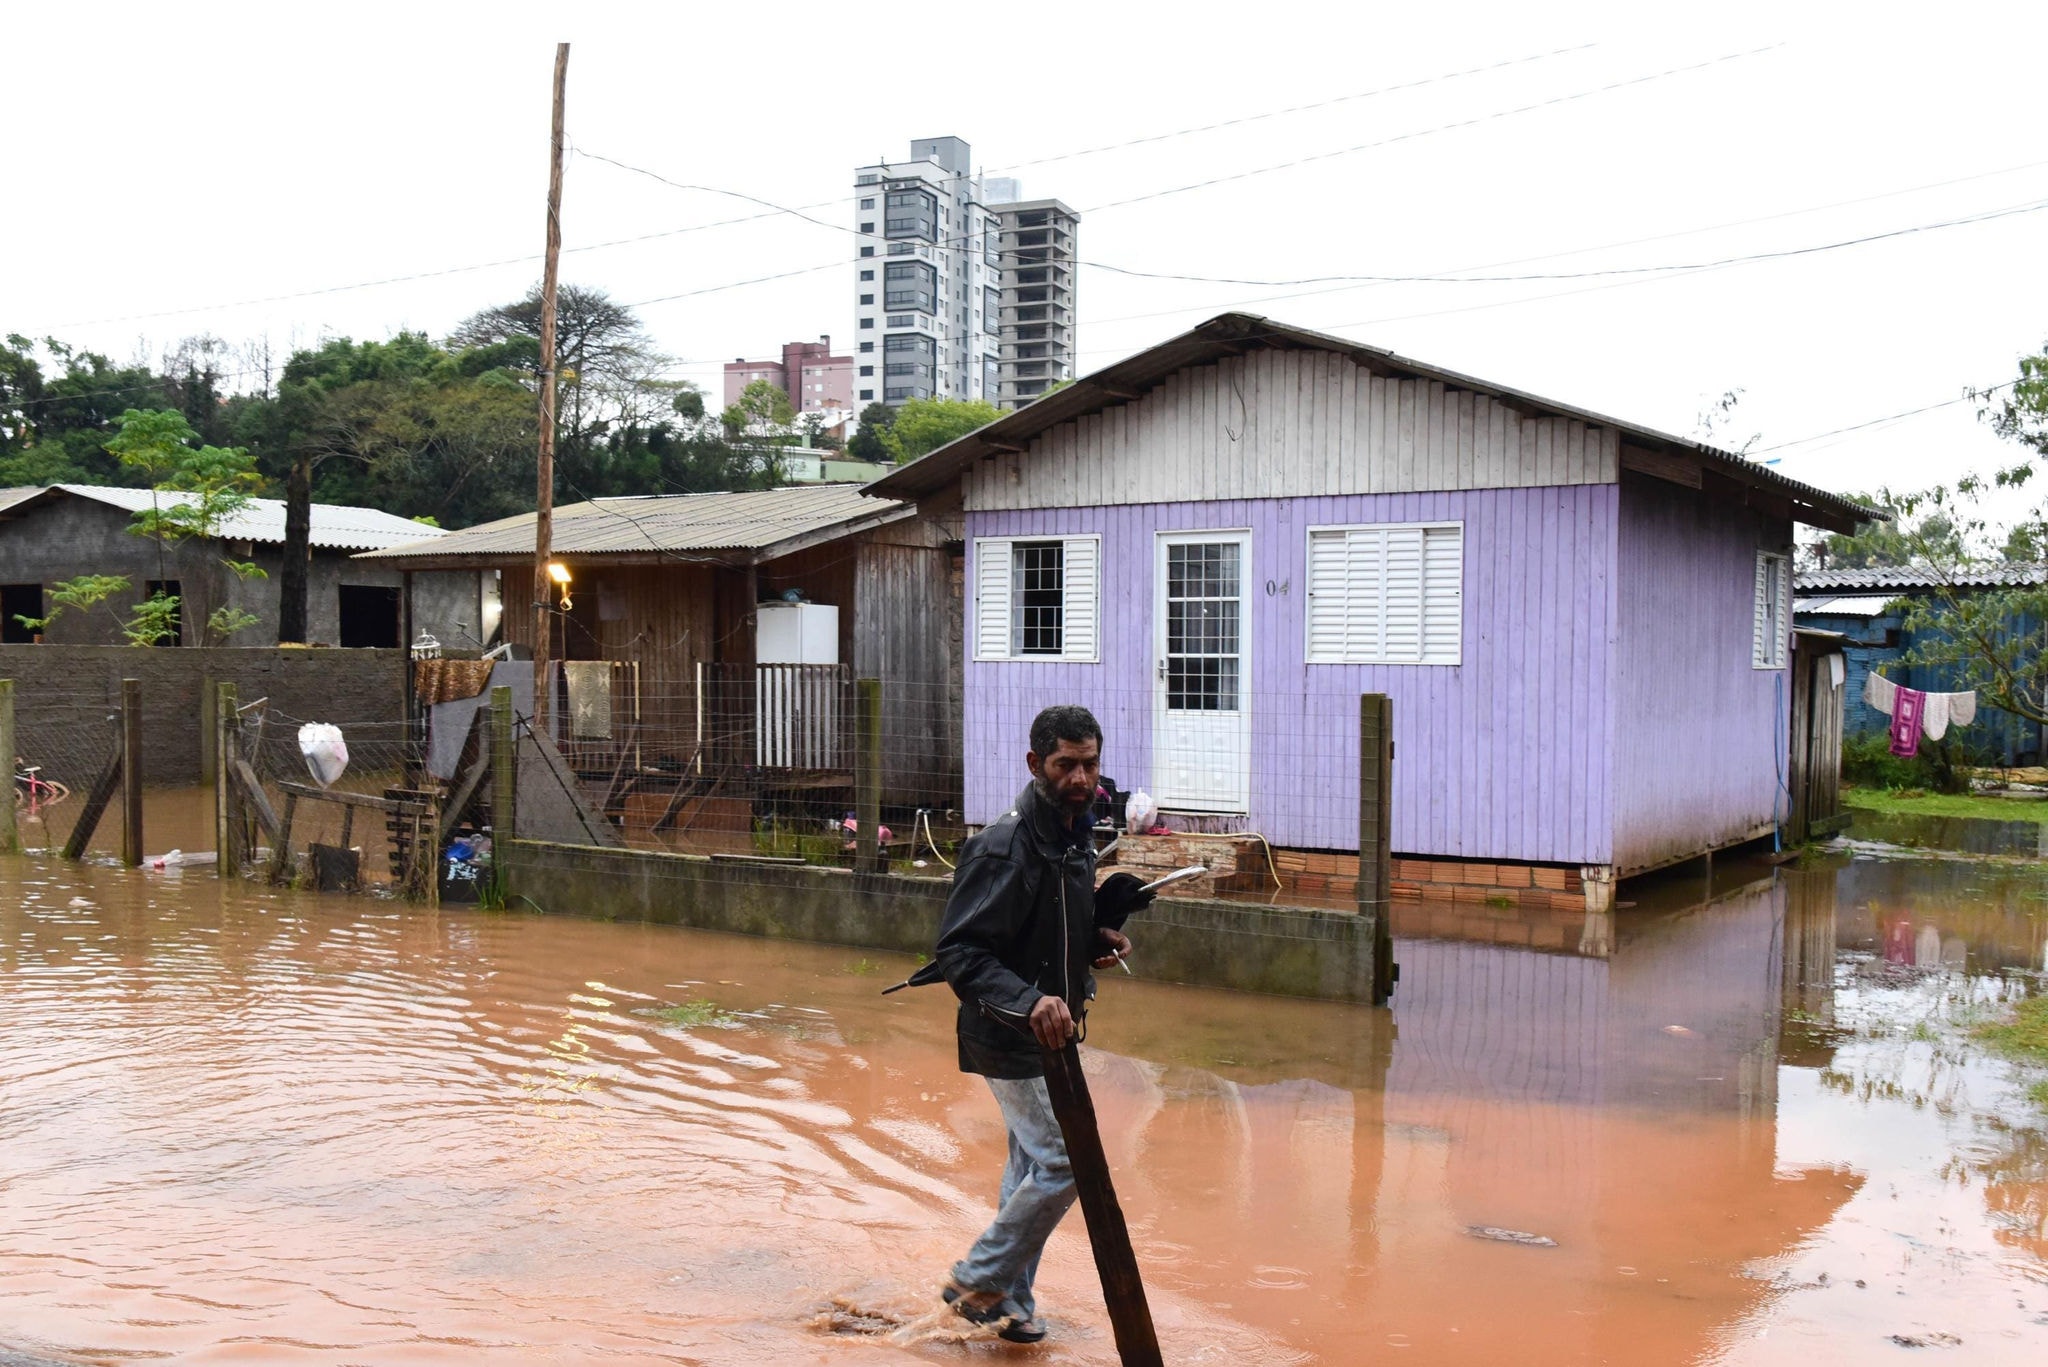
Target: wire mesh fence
(726, 761)
(770, 762)
(56, 765)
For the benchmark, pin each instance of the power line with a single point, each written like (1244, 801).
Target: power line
(1616, 276)
(799, 211)
(1975, 396)
(1297, 109)
(1598, 247)
(1149, 138)
(2031, 206)
(1440, 128)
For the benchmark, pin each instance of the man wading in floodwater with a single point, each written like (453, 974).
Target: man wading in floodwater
(1023, 925)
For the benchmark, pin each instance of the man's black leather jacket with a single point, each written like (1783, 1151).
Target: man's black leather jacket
(1020, 924)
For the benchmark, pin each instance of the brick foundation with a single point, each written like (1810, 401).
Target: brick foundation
(1236, 863)
(1539, 886)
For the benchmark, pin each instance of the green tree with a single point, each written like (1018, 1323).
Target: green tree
(762, 412)
(607, 370)
(924, 425)
(866, 443)
(1911, 537)
(84, 592)
(198, 492)
(56, 417)
(402, 425)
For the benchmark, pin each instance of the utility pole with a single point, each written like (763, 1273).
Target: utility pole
(544, 506)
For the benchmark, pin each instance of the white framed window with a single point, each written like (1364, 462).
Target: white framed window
(1773, 629)
(1386, 593)
(1037, 598)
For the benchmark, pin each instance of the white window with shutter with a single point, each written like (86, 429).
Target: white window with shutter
(1037, 598)
(1772, 630)
(1390, 593)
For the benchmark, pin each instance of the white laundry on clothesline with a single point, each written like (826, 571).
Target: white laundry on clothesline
(1941, 711)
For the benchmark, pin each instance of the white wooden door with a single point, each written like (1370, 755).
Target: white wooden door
(1201, 731)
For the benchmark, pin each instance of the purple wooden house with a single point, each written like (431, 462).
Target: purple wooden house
(1219, 543)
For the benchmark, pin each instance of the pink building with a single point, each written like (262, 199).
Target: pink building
(808, 372)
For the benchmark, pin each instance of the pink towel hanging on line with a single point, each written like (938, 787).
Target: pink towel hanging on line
(1906, 711)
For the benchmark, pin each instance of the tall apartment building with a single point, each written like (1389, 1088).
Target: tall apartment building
(1039, 257)
(808, 372)
(927, 280)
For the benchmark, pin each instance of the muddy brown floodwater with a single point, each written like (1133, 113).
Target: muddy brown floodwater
(242, 1125)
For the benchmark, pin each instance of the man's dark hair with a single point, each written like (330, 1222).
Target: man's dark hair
(1063, 722)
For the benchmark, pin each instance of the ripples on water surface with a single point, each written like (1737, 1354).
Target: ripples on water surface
(269, 1127)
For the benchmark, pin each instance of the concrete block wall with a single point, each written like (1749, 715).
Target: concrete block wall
(1287, 951)
(74, 686)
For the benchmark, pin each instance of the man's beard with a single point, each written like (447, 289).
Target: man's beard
(1050, 791)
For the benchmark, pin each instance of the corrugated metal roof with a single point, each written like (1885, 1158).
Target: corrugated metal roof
(1232, 334)
(754, 520)
(335, 526)
(1857, 605)
(1999, 576)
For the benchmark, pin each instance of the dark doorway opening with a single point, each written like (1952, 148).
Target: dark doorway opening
(169, 588)
(369, 617)
(16, 602)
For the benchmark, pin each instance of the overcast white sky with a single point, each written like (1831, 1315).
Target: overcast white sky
(172, 163)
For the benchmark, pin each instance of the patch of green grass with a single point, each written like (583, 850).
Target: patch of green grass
(862, 968)
(1910, 802)
(690, 1014)
(2025, 1036)
(490, 888)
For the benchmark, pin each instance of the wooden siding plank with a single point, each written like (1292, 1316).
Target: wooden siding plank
(1295, 440)
(1336, 422)
(1441, 472)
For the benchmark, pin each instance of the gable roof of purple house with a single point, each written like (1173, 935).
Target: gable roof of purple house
(1234, 334)
(1219, 543)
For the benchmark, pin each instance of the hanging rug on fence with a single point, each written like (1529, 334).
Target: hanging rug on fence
(449, 680)
(590, 698)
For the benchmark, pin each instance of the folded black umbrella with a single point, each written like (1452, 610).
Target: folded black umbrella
(926, 975)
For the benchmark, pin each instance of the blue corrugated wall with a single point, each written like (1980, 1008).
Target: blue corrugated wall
(1879, 643)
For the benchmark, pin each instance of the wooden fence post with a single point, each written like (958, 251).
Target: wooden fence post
(209, 734)
(1375, 835)
(131, 772)
(867, 776)
(226, 857)
(1130, 1317)
(10, 835)
(504, 772)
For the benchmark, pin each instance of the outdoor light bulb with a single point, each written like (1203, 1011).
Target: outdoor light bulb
(558, 572)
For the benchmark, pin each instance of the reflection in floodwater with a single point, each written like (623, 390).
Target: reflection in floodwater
(236, 1122)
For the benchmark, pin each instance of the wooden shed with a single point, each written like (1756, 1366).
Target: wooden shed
(671, 592)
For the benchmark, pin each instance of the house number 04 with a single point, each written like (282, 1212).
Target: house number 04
(1274, 586)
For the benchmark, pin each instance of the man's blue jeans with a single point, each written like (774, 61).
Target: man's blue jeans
(1038, 1187)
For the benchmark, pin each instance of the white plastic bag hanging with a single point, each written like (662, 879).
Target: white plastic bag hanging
(325, 751)
(1139, 809)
